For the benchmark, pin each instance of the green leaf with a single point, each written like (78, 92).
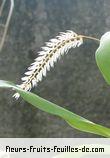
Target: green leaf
(72, 119)
(103, 56)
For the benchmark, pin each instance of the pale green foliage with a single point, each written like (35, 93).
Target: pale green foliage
(103, 56)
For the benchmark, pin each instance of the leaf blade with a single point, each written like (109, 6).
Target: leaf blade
(72, 119)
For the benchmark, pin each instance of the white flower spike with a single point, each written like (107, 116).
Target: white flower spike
(52, 51)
